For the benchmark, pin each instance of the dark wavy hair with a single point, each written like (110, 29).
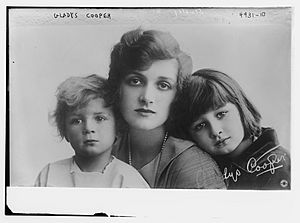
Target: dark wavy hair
(209, 89)
(137, 50)
(76, 92)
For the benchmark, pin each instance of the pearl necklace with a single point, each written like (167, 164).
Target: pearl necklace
(162, 147)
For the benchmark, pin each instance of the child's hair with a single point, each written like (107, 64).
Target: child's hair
(76, 92)
(209, 89)
(138, 49)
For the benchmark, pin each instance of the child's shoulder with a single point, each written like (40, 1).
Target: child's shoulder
(54, 173)
(62, 163)
(131, 177)
(58, 166)
(268, 142)
(122, 166)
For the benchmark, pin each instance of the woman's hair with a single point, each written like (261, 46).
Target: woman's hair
(209, 89)
(77, 92)
(137, 50)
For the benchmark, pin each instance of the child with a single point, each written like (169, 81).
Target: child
(215, 113)
(85, 119)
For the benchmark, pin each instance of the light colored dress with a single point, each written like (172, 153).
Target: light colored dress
(66, 173)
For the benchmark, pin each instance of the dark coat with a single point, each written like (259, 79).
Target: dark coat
(265, 165)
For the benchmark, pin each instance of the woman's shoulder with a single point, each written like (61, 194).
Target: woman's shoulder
(177, 145)
(189, 150)
(193, 155)
(193, 168)
(178, 142)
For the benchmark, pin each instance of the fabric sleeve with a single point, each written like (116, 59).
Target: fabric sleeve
(134, 180)
(42, 178)
(195, 169)
(128, 177)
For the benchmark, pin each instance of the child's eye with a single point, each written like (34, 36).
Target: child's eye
(163, 85)
(199, 126)
(75, 121)
(221, 114)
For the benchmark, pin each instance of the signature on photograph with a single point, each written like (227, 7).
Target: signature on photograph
(254, 165)
(233, 175)
(270, 165)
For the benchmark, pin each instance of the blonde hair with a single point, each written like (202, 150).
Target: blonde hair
(76, 92)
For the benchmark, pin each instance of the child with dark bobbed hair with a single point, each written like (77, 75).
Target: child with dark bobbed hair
(146, 73)
(84, 117)
(214, 111)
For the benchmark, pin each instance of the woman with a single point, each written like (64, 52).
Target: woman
(146, 73)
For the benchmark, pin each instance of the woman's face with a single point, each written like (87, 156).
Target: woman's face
(146, 96)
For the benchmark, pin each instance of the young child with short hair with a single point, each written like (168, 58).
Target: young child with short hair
(85, 118)
(214, 112)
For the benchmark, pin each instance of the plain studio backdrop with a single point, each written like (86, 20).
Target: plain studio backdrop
(255, 49)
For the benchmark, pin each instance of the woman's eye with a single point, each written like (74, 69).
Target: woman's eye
(220, 115)
(100, 118)
(164, 85)
(200, 126)
(134, 81)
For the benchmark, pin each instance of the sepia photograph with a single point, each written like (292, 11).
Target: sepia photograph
(142, 106)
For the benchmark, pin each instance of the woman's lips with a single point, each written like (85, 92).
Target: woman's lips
(144, 112)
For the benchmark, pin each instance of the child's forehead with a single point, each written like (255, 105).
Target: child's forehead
(211, 103)
(226, 105)
(93, 105)
(212, 108)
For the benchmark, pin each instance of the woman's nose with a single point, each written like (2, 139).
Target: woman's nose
(147, 96)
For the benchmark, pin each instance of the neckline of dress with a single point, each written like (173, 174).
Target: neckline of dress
(161, 149)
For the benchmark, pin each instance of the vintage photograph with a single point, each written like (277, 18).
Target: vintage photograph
(148, 98)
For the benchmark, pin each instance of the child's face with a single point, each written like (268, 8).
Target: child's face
(220, 131)
(91, 129)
